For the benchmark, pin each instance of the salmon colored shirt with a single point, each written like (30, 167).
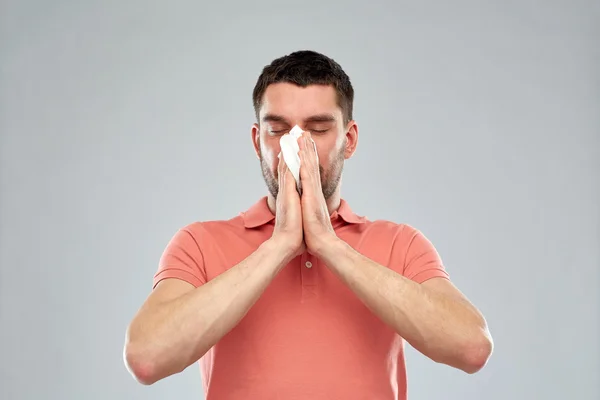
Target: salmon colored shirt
(308, 336)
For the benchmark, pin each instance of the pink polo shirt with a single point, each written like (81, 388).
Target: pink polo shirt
(308, 336)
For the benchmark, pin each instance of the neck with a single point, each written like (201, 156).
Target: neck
(333, 203)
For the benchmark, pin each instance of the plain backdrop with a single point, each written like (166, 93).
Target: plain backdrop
(122, 121)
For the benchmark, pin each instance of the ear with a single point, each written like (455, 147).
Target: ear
(351, 139)
(255, 132)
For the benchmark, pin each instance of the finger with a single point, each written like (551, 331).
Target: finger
(311, 145)
(301, 142)
(287, 182)
(292, 185)
(290, 181)
(314, 147)
(304, 162)
(281, 170)
(307, 170)
(304, 144)
(310, 154)
(279, 166)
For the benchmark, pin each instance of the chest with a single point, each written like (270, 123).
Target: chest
(306, 299)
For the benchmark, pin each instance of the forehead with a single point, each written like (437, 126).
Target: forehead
(296, 102)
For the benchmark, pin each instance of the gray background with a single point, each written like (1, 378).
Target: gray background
(123, 121)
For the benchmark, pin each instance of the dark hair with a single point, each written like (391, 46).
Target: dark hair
(303, 68)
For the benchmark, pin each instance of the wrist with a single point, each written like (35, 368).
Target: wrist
(283, 248)
(328, 247)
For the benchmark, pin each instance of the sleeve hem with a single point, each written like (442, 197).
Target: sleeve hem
(429, 274)
(178, 274)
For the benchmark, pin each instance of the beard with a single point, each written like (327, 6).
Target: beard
(330, 179)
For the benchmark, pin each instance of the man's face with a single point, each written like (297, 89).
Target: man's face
(313, 108)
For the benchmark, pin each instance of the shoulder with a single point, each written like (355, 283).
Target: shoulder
(204, 230)
(399, 230)
(397, 236)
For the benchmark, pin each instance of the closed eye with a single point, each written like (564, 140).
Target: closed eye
(284, 131)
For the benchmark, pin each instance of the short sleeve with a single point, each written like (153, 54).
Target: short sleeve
(182, 259)
(421, 260)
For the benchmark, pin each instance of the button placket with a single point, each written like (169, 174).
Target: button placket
(309, 277)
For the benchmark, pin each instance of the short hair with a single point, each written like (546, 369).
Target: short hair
(304, 68)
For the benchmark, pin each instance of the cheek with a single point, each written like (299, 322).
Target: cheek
(327, 156)
(269, 153)
(329, 149)
(324, 158)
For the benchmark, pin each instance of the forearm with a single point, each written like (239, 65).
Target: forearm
(445, 328)
(177, 333)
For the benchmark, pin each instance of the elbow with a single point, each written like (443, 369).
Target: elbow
(477, 353)
(141, 367)
(143, 361)
(148, 364)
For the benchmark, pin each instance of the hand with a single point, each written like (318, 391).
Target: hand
(288, 215)
(316, 221)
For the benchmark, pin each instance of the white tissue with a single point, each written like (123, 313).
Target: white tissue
(289, 150)
(296, 131)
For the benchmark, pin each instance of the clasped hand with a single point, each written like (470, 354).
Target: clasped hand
(303, 218)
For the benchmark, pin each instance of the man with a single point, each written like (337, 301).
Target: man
(298, 297)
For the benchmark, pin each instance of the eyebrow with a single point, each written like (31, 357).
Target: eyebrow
(312, 118)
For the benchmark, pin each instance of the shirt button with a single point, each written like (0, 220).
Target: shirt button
(308, 264)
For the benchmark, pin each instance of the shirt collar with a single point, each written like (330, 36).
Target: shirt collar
(260, 214)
